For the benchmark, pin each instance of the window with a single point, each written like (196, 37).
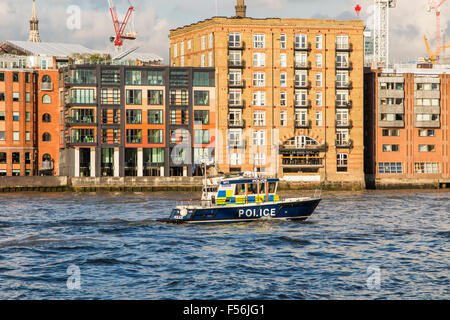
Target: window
(301, 98)
(155, 78)
(342, 162)
(15, 77)
(16, 116)
(393, 167)
(210, 40)
(301, 117)
(259, 79)
(235, 77)
(46, 118)
(259, 98)
(259, 159)
(341, 98)
(390, 133)
(134, 136)
(2, 115)
(283, 41)
(259, 118)
(236, 159)
(424, 167)
(46, 99)
(301, 59)
(16, 136)
(259, 138)
(3, 157)
(15, 96)
(342, 41)
(234, 40)
(426, 133)
(46, 137)
(27, 97)
(319, 60)
(155, 117)
(210, 59)
(175, 50)
(15, 157)
(427, 117)
(155, 136)
(2, 76)
(201, 116)
(300, 78)
(182, 49)
(201, 136)
(155, 97)
(2, 136)
(318, 99)
(427, 148)
(300, 41)
(202, 79)
(259, 60)
(283, 61)
(27, 116)
(203, 61)
(319, 79)
(342, 60)
(27, 158)
(189, 44)
(283, 98)
(283, 118)
(342, 117)
(319, 41)
(134, 116)
(390, 148)
(203, 40)
(133, 77)
(27, 136)
(259, 40)
(46, 79)
(134, 97)
(235, 97)
(342, 137)
(319, 118)
(2, 96)
(342, 78)
(201, 98)
(83, 96)
(283, 79)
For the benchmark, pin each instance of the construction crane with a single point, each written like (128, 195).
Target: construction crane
(381, 32)
(119, 26)
(436, 6)
(434, 57)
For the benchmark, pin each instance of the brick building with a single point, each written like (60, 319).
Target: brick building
(289, 93)
(407, 122)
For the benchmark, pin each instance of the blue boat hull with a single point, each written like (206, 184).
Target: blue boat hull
(298, 210)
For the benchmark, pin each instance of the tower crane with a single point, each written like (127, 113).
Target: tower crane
(119, 26)
(436, 6)
(381, 31)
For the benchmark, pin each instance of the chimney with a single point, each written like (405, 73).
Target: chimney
(241, 9)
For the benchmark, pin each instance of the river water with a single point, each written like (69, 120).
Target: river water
(363, 245)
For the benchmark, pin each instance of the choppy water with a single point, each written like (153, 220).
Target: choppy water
(123, 253)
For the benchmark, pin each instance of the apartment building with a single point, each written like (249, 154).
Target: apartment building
(137, 120)
(289, 93)
(407, 121)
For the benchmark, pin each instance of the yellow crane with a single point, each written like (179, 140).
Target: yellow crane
(434, 57)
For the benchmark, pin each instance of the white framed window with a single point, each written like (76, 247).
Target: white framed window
(283, 118)
(259, 138)
(283, 98)
(301, 78)
(234, 58)
(319, 118)
(235, 137)
(283, 79)
(283, 60)
(210, 59)
(189, 45)
(235, 77)
(342, 137)
(318, 41)
(210, 40)
(259, 118)
(259, 159)
(319, 79)
(283, 41)
(342, 60)
(341, 97)
(234, 40)
(342, 117)
(235, 97)
(259, 98)
(259, 59)
(301, 41)
(319, 60)
(259, 79)
(182, 48)
(203, 58)
(236, 159)
(301, 59)
(319, 99)
(342, 162)
(342, 78)
(301, 117)
(342, 41)
(203, 43)
(175, 50)
(182, 61)
(16, 136)
(259, 41)
(301, 98)
(235, 117)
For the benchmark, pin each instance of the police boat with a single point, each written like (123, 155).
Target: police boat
(242, 198)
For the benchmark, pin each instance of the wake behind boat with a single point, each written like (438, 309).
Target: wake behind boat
(242, 198)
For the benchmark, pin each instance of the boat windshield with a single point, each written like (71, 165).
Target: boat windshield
(272, 187)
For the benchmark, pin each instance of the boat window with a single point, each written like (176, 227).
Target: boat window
(272, 187)
(252, 188)
(262, 188)
(240, 189)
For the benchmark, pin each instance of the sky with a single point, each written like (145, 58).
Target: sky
(409, 21)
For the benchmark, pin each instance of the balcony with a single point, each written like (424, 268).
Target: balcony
(344, 124)
(236, 84)
(75, 101)
(344, 104)
(302, 104)
(302, 85)
(46, 86)
(236, 64)
(74, 81)
(236, 46)
(302, 65)
(391, 123)
(291, 147)
(236, 104)
(427, 124)
(86, 120)
(236, 124)
(303, 124)
(237, 144)
(296, 162)
(345, 66)
(344, 47)
(344, 144)
(342, 85)
(299, 47)
(82, 140)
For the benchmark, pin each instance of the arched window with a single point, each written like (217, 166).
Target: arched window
(46, 99)
(46, 137)
(46, 79)
(46, 118)
(46, 157)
